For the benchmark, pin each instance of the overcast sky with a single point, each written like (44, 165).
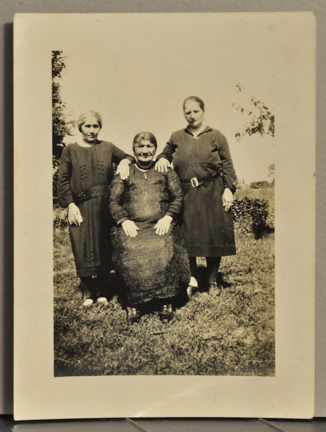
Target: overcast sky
(137, 71)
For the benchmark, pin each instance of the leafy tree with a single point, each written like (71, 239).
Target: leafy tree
(261, 119)
(60, 127)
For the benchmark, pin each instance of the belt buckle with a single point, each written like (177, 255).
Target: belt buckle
(194, 182)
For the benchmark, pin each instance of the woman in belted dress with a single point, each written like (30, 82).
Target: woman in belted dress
(85, 174)
(202, 159)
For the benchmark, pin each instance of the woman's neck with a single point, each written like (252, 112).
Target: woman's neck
(197, 131)
(144, 167)
(83, 143)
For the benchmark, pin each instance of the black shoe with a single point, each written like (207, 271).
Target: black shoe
(133, 315)
(221, 282)
(213, 288)
(166, 313)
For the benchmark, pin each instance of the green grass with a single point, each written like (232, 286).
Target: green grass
(230, 334)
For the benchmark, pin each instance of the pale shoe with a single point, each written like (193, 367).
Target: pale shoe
(192, 287)
(88, 302)
(103, 301)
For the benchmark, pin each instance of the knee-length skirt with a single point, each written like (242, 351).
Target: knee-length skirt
(206, 227)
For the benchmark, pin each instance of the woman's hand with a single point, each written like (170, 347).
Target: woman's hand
(74, 215)
(123, 168)
(163, 225)
(130, 228)
(227, 199)
(162, 165)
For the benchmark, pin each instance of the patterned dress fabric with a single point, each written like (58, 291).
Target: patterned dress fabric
(207, 229)
(151, 266)
(85, 175)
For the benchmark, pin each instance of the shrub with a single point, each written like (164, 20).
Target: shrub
(59, 218)
(250, 215)
(261, 184)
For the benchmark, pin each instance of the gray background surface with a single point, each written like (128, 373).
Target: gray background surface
(7, 10)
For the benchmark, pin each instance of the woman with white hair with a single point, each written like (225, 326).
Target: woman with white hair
(85, 174)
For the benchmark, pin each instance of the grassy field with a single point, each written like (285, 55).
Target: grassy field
(230, 334)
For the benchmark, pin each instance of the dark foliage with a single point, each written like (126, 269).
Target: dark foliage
(60, 127)
(250, 215)
(60, 220)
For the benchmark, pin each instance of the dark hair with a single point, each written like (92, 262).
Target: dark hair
(195, 99)
(144, 136)
(82, 118)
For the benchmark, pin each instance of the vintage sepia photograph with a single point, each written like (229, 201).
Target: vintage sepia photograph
(164, 215)
(163, 202)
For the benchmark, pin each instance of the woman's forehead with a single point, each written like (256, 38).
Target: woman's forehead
(191, 104)
(91, 120)
(145, 141)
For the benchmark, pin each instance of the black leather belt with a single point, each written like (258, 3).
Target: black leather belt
(94, 192)
(196, 182)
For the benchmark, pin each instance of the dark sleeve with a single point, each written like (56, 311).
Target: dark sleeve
(176, 194)
(118, 155)
(117, 193)
(167, 151)
(65, 194)
(227, 169)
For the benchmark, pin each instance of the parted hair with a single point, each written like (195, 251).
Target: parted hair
(90, 113)
(195, 99)
(144, 136)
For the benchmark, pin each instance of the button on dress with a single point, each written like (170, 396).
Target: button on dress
(85, 175)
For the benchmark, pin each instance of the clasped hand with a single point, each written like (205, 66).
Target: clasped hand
(161, 228)
(74, 215)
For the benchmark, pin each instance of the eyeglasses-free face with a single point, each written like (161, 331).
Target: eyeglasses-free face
(144, 152)
(90, 130)
(193, 114)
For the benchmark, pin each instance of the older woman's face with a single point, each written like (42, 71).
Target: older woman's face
(144, 151)
(90, 130)
(193, 114)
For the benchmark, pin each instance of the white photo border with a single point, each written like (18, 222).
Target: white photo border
(37, 393)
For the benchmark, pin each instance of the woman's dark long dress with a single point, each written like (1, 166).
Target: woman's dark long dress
(85, 175)
(206, 227)
(151, 265)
